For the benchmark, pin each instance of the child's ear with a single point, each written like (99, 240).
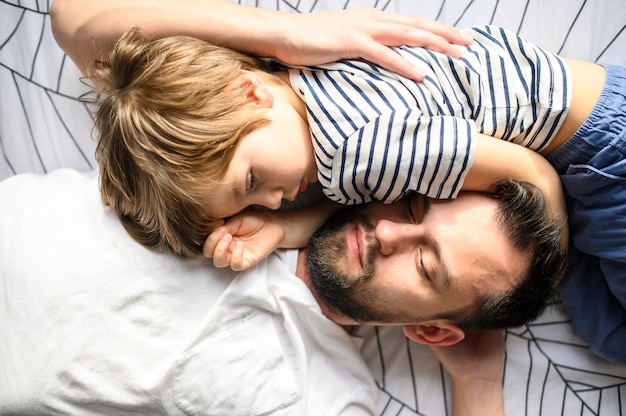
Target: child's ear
(255, 88)
(441, 333)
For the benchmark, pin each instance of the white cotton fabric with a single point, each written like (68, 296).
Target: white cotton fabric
(92, 323)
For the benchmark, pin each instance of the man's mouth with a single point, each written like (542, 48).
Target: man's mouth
(357, 246)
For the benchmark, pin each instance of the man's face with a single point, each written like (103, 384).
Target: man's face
(418, 259)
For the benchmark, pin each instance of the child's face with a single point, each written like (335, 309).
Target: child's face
(272, 163)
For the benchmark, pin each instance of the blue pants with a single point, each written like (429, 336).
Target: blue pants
(592, 167)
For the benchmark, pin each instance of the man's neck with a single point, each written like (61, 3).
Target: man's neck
(301, 269)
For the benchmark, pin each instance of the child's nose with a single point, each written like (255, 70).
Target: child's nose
(272, 199)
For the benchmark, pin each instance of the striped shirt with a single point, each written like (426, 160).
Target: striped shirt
(378, 135)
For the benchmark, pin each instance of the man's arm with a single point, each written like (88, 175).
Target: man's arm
(475, 366)
(87, 29)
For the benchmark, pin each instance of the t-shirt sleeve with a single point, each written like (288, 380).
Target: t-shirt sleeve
(525, 90)
(398, 152)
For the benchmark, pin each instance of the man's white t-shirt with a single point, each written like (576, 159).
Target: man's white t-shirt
(93, 323)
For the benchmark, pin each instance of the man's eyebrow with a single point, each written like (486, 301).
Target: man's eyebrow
(444, 273)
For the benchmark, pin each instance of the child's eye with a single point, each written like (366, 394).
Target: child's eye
(251, 183)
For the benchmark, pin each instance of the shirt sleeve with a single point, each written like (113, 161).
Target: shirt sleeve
(397, 152)
(525, 91)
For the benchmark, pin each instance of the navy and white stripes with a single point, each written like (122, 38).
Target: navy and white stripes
(377, 135)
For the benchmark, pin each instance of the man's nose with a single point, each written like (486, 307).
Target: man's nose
(393, 237)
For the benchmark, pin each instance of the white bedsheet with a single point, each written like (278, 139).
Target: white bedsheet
(548, 370)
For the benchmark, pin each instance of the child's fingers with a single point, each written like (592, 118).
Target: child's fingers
(211, 242)
(237, 260)
(222, 252)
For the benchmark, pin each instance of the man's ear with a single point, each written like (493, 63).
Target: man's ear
(257, 90)
(441, 333)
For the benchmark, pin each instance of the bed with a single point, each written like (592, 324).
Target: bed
(548, 370)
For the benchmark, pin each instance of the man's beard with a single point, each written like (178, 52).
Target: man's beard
(327, 248)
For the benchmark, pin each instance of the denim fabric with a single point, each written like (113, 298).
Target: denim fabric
(592, 166)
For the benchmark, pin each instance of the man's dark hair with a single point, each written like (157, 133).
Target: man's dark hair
(525, 221)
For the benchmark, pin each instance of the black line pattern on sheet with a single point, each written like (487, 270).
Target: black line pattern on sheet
(412, 375)
(572, 25)
(28, 124)
(67, 129)
(14, 29)
(530, 367)
(548, 371)
(10, 168)
(615, 41)
(43, 126)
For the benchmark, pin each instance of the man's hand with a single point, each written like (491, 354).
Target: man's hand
(316, 38)
(244, 240)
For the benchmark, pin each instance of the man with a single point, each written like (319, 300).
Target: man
(94, 323)
(475, 262)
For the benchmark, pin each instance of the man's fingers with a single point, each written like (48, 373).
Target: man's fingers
(375, 51)
(449, 33)
(389, 59)
(428, 26)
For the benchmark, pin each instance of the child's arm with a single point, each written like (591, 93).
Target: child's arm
(250, 236)
(87, 29)
(497, 159)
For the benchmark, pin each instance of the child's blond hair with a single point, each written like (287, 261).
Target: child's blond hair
(168, 120)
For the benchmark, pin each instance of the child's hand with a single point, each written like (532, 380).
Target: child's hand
(244, 240)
